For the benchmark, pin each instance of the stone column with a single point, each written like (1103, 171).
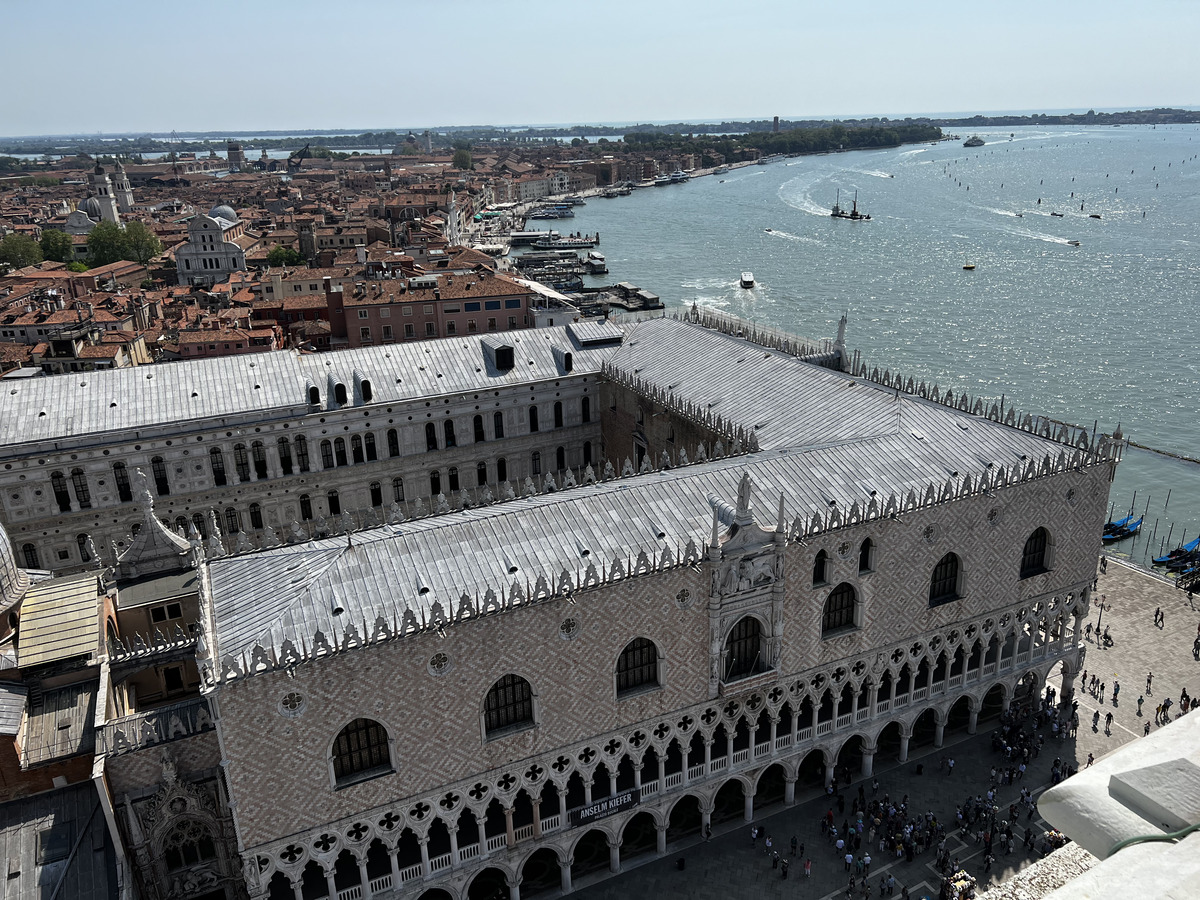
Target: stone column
(330, 883)
(705, 821)
(687, 752)
(774, 733)
(660, 834)
(753, 732)
(973, 720)
(366, 882)
(587, 789)
(394, 859)
(795, 725)
(829, 773)
(297, 889)
(614, 856)
(662, 772)
(903, 756)
(483, 848)
(514, 889)
(508, 828)
(708, 755)
(939, 730)
(789, 790)
(454, 857)
(873, 697)
(637, 774)
(426, 870)
(612, 781)
(868, 762)
(748, 812)
(537, 817)
(562, 806)
(564, 876)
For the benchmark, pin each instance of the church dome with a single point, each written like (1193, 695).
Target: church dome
(13, 579)
(91, 207)
(223, 212)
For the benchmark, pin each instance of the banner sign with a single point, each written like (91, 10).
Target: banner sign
(608, 806)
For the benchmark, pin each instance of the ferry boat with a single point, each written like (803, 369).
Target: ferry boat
(720, 170)
(662, 180)
(973, 141)
(595, 263)
(679, 176)
(567, 243)
(747, 280)
(839, 213)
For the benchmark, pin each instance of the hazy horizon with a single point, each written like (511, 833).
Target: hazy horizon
(135, 66)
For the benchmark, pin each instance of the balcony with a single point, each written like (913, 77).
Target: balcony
(155, 726)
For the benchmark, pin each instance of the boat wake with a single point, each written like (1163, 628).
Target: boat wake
(871, 172)
(797, 193)
(1003, 212)
(1037, 235)
(798, 238)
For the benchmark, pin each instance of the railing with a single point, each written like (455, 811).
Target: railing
(901, 700)
(695, 772)
(468, 852)
(1023, 658)
(674, 780)
(989, 669)
(740, 756)
(524, 833)
(804, 734)
(862, 715)
(649, 787)
(350, 893)
(783, 741)
(956, 681)
(443, 862)
(762, 749)
(497, 842)
(719, 765)
(1006, 663)
(550, 823)
(843, 721)
(882, 706)
(412, 873)
(381, 884)
(920, 694)
(825, 727)
(155, 726)
(938, 687)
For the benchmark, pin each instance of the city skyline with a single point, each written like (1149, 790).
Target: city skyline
(270, 66)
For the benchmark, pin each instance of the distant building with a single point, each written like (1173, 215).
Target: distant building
(216, 247)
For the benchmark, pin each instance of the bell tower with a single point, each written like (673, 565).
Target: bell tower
(102, 189)
(122, 190)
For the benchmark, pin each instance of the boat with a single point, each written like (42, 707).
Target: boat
(1178, 553)
(568, 243)
(839, 213)
(747, 280)
(1094, 216)
(679, 176)
(1057, 215)
(1073, 243)
(970, 267)
(662, 180)
(1117, 524)
(720, 170)
(1120, 534)
(595, 263)
(973, 141)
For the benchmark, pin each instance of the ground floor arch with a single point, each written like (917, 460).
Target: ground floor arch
(771, 786)
(850, 757)
(489, 884)
(685, 818)
(639, 836)
(436, 894)
(590, 854)
(924, 729)
(959, 716)
(811, 771)
(730, 801)
(993, 703)
(540, 873)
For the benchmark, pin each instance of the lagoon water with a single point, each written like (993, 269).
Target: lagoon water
(1108, 331)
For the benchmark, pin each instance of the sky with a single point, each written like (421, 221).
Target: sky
(85, 66)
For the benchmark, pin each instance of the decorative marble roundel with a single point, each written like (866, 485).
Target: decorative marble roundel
(440, 663)
(843, 549)
(930, 533)
(569, 629)
(1072, 497)
(291, 704)
(684, 598)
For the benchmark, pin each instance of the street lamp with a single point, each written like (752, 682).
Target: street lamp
(1099, 619)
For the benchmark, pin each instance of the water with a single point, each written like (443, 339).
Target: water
(1107, 331)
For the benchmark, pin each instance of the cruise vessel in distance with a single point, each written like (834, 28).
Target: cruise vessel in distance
(973, 141)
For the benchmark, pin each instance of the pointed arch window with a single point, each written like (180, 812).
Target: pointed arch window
(866, 556)
(302, 452)
(820, 568)
(744, 649)
(1034, 557)
(58, 482)
(82, 495)
(508, 706)
(360, 751)
(637, 667)
(944, 583)
(840, 612)
(121, 477)
(187, 844)
(284, 449)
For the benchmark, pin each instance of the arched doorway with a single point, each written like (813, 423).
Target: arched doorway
(993, 703)
(591, 854)
(730, 802)
(685, 818)
(771, 787)
(639, 836)
(436, 894)
(490, 884)
(959, 716)
(1025, 693)
(924, 729)
(849, 758)
(540, 874)
(887, 745)
(812, 770)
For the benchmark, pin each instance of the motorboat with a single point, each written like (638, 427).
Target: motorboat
(1073, 243)
(747, 280)
(679, 176)
(970, 267)
(973, 141)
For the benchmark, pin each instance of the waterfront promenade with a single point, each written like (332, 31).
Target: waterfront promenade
(729, 867)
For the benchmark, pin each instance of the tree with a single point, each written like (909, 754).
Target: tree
(141, 243)
(283, 256)
(77, 266)
(462, 160)
(20, 250)
(57, 245)
(106, 244)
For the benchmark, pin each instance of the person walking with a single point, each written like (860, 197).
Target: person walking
(1141, 700)
(1157, 613)
(1088, 631)
(1149, 682)
(784, 866)
(1091, 759)
(1116, 690)
(807, 867)
(794, 843)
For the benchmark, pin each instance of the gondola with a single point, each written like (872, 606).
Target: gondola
(1118, 524)
(1128, 530)
(1179, 552)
